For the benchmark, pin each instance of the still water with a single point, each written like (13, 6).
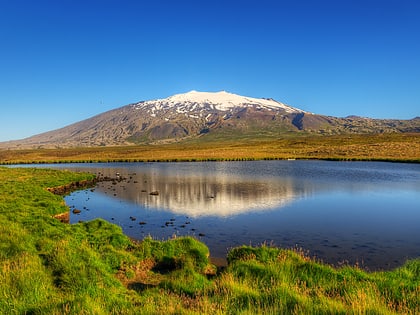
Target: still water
(363, 213)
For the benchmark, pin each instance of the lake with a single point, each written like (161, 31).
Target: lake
(365, 213)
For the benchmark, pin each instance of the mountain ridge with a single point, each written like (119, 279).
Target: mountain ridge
(202, 114)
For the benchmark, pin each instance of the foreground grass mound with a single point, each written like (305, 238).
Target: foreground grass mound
(271, 280)
(47, 267)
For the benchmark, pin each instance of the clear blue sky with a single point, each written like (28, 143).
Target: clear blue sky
(62, 61)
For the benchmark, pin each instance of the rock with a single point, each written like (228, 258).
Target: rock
(63, 217)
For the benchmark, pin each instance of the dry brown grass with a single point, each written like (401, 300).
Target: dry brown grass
(391, 147)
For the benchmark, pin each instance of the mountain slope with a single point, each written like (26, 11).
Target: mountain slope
(202, 114)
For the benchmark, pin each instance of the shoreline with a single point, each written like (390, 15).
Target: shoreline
(220, 260)
(97, 161)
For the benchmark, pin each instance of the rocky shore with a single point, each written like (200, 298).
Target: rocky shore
(65, 189)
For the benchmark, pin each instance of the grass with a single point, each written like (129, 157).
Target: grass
(400, 147)
(47, 267)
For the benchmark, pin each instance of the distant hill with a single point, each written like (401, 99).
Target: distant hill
(203, 114)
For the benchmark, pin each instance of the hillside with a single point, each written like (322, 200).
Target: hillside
(202, 114)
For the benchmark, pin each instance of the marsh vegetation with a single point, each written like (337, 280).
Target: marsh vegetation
(380, 147)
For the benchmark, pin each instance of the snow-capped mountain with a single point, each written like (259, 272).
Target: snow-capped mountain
(202, 114)
(220, 101)
(207, 106)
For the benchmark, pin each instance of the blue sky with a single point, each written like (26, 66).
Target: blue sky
(67, 60)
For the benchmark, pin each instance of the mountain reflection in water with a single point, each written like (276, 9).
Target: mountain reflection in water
(198, 195)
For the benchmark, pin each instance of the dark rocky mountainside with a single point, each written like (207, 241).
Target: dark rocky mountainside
(201, 114)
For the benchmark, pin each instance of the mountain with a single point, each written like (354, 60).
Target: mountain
(203, 114)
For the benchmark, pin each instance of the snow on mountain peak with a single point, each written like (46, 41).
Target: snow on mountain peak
(224, 100)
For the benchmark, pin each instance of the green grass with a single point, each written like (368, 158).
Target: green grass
(47, 267)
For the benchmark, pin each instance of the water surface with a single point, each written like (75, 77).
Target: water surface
(364, 213)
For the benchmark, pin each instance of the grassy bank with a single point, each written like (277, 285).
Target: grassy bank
(382, 147)
(47, 267)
